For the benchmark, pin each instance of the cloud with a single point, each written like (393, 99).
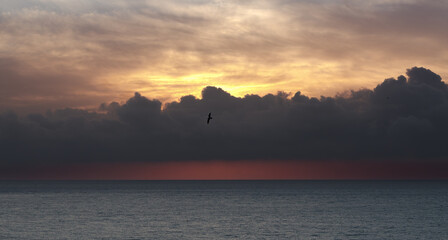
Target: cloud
(170, 49)
(28, 89)
(401, 119)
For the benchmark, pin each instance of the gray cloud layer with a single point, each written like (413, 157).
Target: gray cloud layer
(401, 119)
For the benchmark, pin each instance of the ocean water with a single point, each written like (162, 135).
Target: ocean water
(224, 210)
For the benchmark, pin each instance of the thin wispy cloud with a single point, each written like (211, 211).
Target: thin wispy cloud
(66, 53)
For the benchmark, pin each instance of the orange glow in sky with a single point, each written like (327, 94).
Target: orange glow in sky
(233, 170)
(56, 54)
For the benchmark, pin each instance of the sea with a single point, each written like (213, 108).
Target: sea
(224, 210)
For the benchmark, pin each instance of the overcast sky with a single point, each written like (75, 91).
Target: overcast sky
(288, 83)
(57, 53)
(402, 119)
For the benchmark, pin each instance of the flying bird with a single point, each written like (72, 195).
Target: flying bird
(209, 118)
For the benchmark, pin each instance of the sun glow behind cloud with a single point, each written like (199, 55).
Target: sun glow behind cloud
(235, 170)
(77, 54)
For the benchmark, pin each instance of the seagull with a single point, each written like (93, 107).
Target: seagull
(209, 117)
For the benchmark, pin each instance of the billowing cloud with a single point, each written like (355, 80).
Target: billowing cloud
(75, 54)
(401, 119)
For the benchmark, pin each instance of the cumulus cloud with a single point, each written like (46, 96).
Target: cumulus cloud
(401, 119)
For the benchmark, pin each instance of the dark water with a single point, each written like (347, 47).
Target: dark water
(224, 210)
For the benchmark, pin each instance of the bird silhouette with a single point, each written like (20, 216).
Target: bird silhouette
(209, 118)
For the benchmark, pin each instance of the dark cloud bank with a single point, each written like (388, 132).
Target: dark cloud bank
(401, 119)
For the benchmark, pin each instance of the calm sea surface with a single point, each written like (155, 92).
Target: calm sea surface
(224, 210)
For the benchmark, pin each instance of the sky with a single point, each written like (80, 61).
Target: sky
(292, 84)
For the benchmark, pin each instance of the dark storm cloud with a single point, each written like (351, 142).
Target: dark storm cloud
(401, 119)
